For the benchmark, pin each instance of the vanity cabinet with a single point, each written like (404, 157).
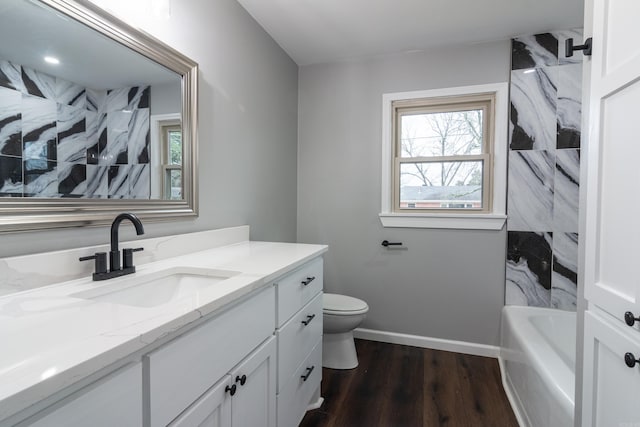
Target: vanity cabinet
(115, 400)
(299, 334)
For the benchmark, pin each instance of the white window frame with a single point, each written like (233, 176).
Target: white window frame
(496, 216)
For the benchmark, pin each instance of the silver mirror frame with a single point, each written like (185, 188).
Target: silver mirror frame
(37, 214)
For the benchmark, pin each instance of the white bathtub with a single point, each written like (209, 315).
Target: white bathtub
(537, 361)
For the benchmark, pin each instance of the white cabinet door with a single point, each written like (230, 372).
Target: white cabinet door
(254, 404)
(611, 387)
(213, 409)
(612, 204)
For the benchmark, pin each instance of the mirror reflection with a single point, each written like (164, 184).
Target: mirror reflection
(82, 116)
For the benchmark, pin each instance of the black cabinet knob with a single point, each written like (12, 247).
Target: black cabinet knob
(630, 319)
(241, 379)
(231, 389)
(630, 360)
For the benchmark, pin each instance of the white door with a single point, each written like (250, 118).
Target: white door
(611, 234)
(212, 409)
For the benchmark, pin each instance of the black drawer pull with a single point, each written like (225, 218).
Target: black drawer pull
(630, 319)
(309, 319)
(309, 280)
(231, 389)
(387, 243)
(242, 379)
(307, 374)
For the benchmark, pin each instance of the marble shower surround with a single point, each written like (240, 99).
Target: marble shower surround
(59, 139)
(544, 169)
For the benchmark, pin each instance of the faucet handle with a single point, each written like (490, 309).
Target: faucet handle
(100, 261)
(127, 256)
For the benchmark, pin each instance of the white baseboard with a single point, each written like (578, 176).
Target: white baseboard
(515, 403)
(428, 342)
(315, 404)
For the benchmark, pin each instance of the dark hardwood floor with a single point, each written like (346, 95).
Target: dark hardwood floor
(397, 386)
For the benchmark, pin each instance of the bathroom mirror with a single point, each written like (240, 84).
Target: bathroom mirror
(96, 118)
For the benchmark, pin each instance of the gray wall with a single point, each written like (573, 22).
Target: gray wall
(248, 121)
(448, 283)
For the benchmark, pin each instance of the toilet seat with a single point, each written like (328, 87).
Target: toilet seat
(344, 305)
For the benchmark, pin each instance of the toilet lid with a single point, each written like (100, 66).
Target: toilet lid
(336, 302)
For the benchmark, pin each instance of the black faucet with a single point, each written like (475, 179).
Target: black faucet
(115, 268)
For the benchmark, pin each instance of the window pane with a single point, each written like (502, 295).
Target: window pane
(441, 134)
(441, 185)
(173, 183)
(175, 147)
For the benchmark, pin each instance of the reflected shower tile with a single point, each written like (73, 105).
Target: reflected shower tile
(569, 105)
(533, 109)
(117, 99)
(566, 190)
(72, 139)
(138, 97)
(72, 179)
(11, 76)
(140, 181)
(40, 178)
(39, 128)
(139, 137)
(96, 134)
(528, 272)
(564, 280)
(69, 93)
(10, 122)
(97, 182)
(39, 84)
(536, 51)
(97, 100)
(119, 182)
(118, 137)
(531, 190)
(10, 176)
(562, 36)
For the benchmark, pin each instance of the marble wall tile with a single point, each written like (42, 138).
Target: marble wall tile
(117, 99)
(529, 267)
(119, 184)
(96, 134)
(564, 279)
(531, 190)
(118, 137)
(97, 100)
(140, 181)
(138, 97)
(11, 182)
(97, 182)
(11, 76)
(566, 190)
(72, 138)
(535, 51)
(562, 36)
(569, 105)
(39, 128)
(39, 84)
(69, 93)
(533, 109)
(139, 137)
(10, 122)
(72, 179)
(40, 178)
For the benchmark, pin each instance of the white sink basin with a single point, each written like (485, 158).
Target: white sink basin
(159, 288)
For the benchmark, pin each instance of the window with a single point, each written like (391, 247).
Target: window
(172, 161)
(444, 158)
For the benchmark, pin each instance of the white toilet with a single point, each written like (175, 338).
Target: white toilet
(341, 315)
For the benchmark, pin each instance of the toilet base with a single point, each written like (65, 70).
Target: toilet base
(339, 351)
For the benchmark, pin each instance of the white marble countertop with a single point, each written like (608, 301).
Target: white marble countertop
(51, 340)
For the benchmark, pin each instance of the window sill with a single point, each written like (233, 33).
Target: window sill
(452, 221)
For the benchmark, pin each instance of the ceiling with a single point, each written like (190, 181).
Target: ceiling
(318, 31)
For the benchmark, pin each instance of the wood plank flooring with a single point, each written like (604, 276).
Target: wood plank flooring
(398, 386)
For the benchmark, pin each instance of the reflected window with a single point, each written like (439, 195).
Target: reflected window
(172, 161)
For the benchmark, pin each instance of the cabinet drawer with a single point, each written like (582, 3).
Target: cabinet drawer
(184, 369)
(298, 288)
(296, 395)
(296, 340)
(112, 401)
